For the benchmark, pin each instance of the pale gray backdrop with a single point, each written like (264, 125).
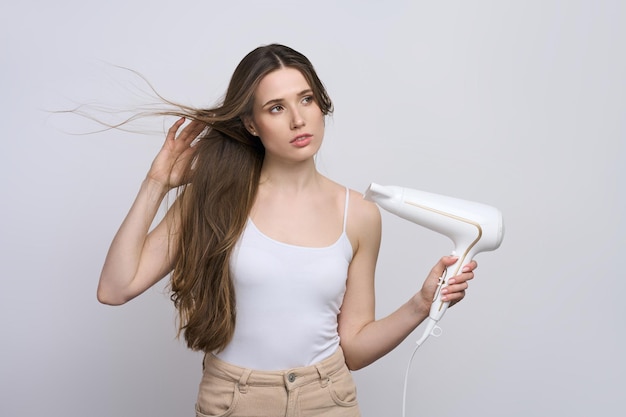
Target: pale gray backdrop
(521, 105)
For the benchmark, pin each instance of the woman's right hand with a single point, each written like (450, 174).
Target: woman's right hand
(172, 161)
(138, 257)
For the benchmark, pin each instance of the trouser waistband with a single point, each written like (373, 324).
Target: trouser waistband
(290, 378)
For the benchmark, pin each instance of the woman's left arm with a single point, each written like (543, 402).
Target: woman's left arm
(363, 338)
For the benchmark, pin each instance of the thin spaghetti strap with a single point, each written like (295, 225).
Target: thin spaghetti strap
(345, 210)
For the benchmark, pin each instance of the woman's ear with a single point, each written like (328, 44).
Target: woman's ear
(249, 124)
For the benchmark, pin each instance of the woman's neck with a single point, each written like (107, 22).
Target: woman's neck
(290, 177)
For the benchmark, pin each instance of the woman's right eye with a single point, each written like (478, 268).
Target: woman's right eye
(276, 109)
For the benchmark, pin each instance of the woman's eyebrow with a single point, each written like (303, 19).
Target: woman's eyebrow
(280, 100)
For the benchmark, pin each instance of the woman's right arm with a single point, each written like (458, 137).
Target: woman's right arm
(138, 258)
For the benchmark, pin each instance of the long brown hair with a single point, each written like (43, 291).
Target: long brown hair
(215, 205)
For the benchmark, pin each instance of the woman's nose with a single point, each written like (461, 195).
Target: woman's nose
(297, 121)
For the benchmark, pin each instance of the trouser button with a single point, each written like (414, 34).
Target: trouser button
(291, 377)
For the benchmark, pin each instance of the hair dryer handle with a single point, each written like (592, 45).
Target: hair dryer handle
(439, 307)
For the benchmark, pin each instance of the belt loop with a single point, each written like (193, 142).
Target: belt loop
(243, 381)
(323, 375)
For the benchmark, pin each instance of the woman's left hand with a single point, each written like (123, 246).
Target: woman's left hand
(457, 285)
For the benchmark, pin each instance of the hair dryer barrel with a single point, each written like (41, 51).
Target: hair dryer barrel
(460, 220)
(472, 227)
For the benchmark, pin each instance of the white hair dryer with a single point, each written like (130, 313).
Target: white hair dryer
(473, 228)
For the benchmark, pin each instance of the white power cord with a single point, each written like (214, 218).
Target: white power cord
(431, 330)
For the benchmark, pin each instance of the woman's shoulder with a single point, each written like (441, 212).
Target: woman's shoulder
(362, 211)
(363, 216)
(359, 209)
(363, 223)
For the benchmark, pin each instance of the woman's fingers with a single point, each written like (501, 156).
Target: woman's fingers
(186, 136)
(171, 133)
(457, 286)
(170, 164)
(191, 132)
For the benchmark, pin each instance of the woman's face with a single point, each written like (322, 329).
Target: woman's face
(286, 117)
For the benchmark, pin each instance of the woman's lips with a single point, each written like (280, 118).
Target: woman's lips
(302, 140)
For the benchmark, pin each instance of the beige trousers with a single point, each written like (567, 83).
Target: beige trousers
(325, 389)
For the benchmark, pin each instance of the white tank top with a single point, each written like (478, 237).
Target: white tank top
(288, 298)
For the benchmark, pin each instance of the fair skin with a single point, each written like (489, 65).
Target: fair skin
(295, 204)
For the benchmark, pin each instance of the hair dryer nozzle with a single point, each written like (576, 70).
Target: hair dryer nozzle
(375, 192)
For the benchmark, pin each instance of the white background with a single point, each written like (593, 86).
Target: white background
(520, 105)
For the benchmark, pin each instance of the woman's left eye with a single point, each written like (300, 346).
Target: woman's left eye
(276, 109)
(307, 99)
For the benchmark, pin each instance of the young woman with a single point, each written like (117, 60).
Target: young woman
(272, 264)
